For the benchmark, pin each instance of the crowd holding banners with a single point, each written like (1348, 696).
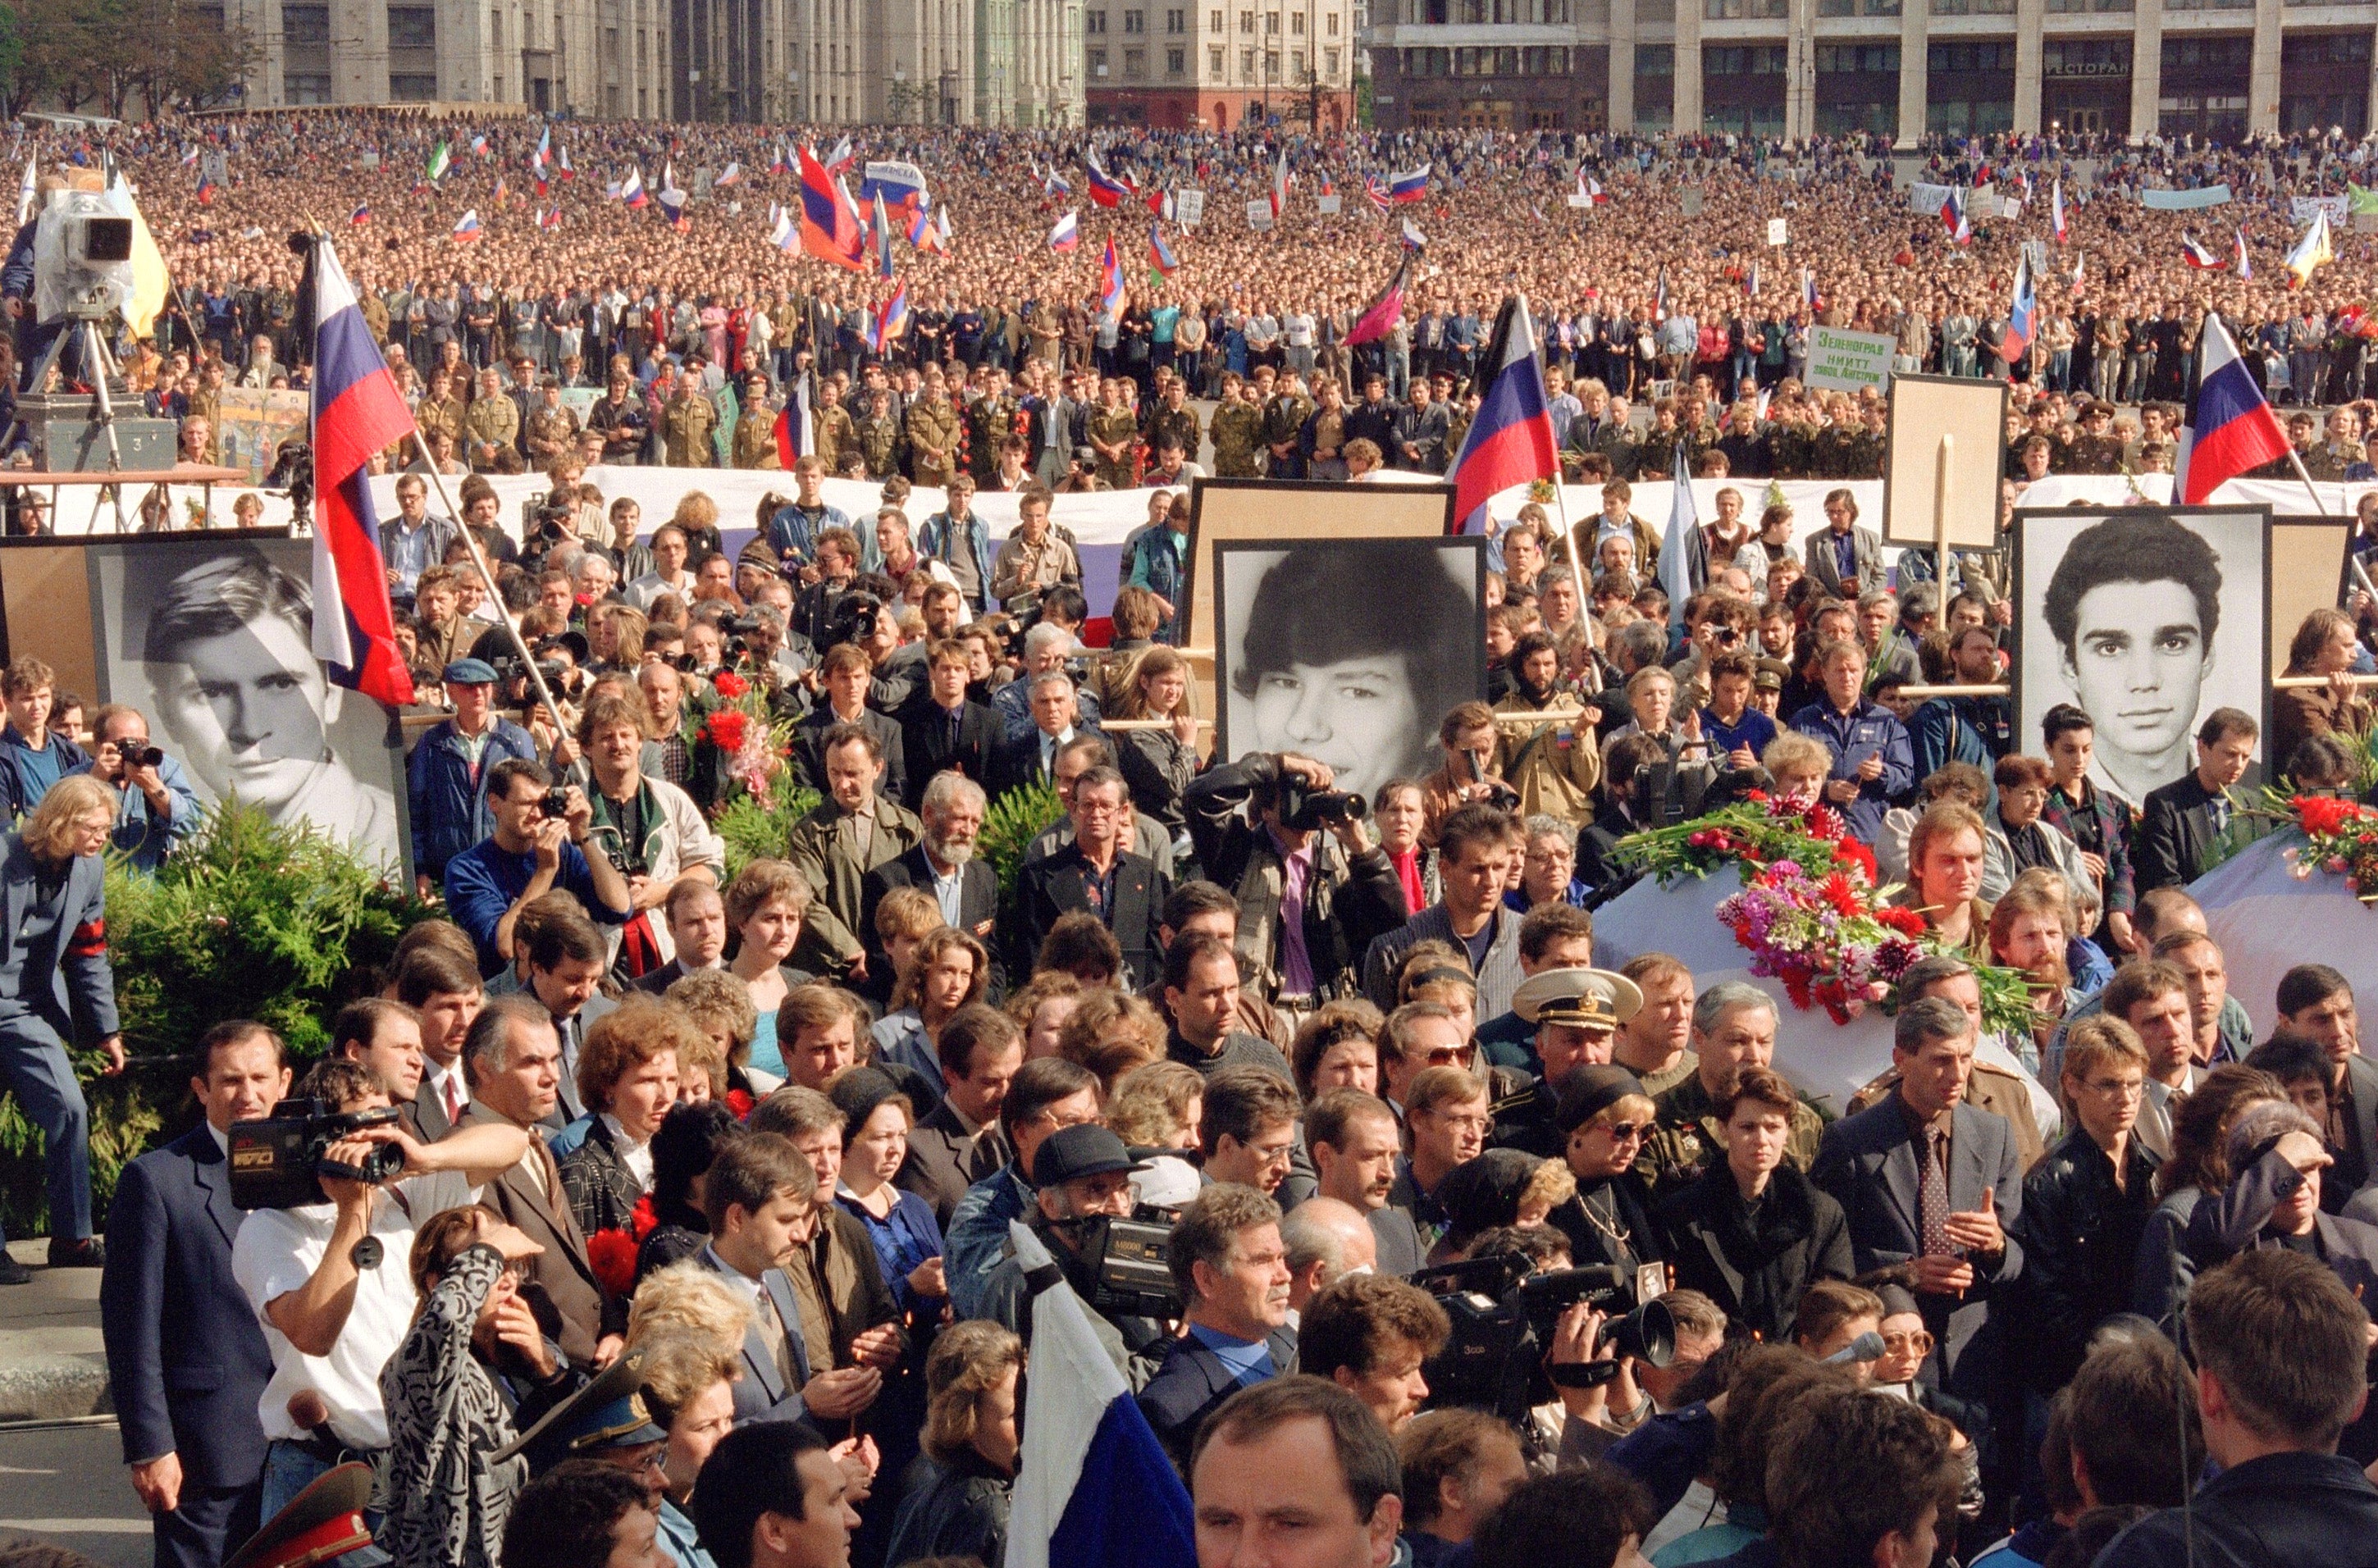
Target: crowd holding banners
(1381, 1044)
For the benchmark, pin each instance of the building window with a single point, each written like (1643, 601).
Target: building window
(1271, 24)
(1330, 63)
(1957, 59)
(1271, 64)
(1094, 22)
(1214, 61)
(1296, 65)
(1213, 21)
(1332, 29)
(413, 27)
(1098, 62)
(305, 24)
(1246, 64)
(1176, 61)
(2085, 59)
(1176, 22)
(1296, 23)
(1871, 59)
(1246, 21)
(413, 89)
(1736, 10)
(2311, 49)
(1135, 21)
(305, 88)
(1655, 60)
(1134, 62)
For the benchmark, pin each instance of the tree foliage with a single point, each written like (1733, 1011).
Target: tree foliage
(121, 58)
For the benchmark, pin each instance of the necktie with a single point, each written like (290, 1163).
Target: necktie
(2217, 809)
(772, 1330)
(453, 1098)
(1932, 1196)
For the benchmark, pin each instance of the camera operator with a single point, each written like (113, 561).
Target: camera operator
(1253, 840)
(331, 1280)
(157, 808)
(1047, 649)
(773, 656)
(537, 846)
(648, 828)
(837, 569)
(1081, 1173)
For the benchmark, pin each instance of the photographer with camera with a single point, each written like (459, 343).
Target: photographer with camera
(838, 573)
(1082, 1176)
(330, 1277)
(447, 778)
(649, 829)
(158, 809)
(537, 846)
(1033, 558)
(1314, 890)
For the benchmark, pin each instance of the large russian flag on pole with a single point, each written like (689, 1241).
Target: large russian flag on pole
(1510, 442)
(828, 231)
(1093, 1486)
(2229, 428)
(357, 411)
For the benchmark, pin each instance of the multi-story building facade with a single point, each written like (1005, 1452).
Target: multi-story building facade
(1896, 67)
(596, 57)
(1218, 64)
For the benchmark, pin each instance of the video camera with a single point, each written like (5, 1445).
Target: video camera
(277, 1163)
(1504, 1318)
(851, 618)
(82, 258)
(1121, 1267)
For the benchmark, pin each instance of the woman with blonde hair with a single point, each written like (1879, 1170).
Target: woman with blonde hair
(56, 954)
(697, 514)
(1111, 1033)
(689, 1389)
(955, 1501)
(1156, 764)
(948, 969)
(1040, 1009)
(1603, 1115)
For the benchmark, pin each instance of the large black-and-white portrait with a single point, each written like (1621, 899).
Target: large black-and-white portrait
(1348, 650)
(2147, 618)
(212, 639)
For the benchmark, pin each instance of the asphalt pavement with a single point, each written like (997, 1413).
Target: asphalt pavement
(61, 1477)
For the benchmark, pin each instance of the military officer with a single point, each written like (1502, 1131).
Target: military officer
(686, 426)
(1576, 1013)
(934, 430)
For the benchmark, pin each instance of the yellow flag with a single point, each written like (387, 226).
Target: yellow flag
(152, 285)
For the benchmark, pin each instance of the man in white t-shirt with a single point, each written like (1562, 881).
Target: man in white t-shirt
(331, 1283)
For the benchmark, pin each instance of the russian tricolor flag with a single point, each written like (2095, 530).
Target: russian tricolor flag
(1105, 190)
(1410, 186)
(828, 231)
(2058, 191)
(1952, 217)
(1111, 286)
(632, 192)
(1092, 1484)
(361, 215)
(1510, 441)
(2196, 255)
(1066, 235)
(2245, 266)
(466, 227)
(1159, 254)
(357, 411)
(2021, 326)
(2229, 429)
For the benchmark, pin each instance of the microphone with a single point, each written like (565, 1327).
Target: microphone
(1867, 1346)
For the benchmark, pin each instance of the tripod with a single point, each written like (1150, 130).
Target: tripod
(101, 365)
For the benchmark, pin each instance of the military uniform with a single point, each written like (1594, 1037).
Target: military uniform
(493, 420)
(552, 432)
(1835, 455)
(1115, 426)
(1175, 423)
(433, 414)
(1283, 421)
(1791, 450)
(1591, 1001)
(878, 442)
(1238, 434)
(1457, 429)
(1690, 1138)
(755, 440)
(933, 431)
(836, 435)
(1656, 455)
(2093, 454)
(989, 421)
(374, 317)
(686, 426)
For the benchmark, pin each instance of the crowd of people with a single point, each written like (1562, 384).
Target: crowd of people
(691, 1236)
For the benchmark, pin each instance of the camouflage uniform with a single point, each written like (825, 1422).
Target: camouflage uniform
(1457, 429)
(552, 432)
(1283, 420)
(1180, 424)
(1656, 455)
(836, 435)
(1835, 455)
(879, 444)
(989, 421)
(434, 414)
(1115, 426)
(755, 440)
(1791, 449)
(2098, 454)
(1238, 433)
(493, 420)
(934, 424)
(686, 426)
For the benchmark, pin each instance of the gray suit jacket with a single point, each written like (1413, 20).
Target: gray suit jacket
(1869, 1163)
(1865, 549)
(760, 1394)
(1401, 1252)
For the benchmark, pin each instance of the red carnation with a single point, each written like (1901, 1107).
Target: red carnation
(2324, 816)
(725, 729)
(1838, 893)
(739, 1102)
(642, 1221)
(611, 1252)
(729, 684)
(1850, 853)
(1907, 922)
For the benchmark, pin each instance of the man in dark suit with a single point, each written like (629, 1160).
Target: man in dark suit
(444, 993)
(185, 1355)
(1227, 1259)
(2182, 819)
(2316, 1003)
(697, 925)
(1825, 552)
(1030, 755)
(1097, 875)
(562, 968)
(1930, 1182)
(514, 1065)
(959, 1143)
(940, 728)
(846, 676)
(944, 863)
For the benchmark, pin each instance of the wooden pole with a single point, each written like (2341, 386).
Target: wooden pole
(1924, 692)
(1940, 464)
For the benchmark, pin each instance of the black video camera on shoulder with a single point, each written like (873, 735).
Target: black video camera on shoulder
(278, 1162)
(1504, 1320)
(1305, 808)
(1123, 1263)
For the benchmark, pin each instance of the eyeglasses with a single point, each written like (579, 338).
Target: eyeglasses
(1626, 1132)
(1451, 1056)
(1477, 1124)
(1899, 1344)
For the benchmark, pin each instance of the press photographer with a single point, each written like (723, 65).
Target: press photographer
(538, 844)
(157, 808)
(1084, 1213)
(330, 1280)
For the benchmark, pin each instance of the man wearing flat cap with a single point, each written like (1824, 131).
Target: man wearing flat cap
(446, 779)
(1576, 1013)
(1082, 1174)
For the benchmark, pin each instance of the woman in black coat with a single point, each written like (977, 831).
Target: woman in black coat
(954, 1499)
(1752, 1233)
(1602, 1115)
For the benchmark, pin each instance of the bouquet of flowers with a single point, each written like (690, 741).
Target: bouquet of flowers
(753, 749)
(1828, 937)
(611, 1252)
(2344, 841)
(1757, 830)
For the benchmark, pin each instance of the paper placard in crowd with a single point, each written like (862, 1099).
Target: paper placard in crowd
(1778, 231)
(1578, 199)
(1692, 203)
(1329, 206)
(2303, 208)
(1188, 207)
(1846, 360)
(1973, 415)
(1259, 215)
(2184, 200)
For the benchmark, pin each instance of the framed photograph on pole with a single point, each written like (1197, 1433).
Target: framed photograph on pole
(2146, 618)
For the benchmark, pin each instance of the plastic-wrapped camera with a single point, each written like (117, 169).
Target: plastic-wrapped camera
(82, 258)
